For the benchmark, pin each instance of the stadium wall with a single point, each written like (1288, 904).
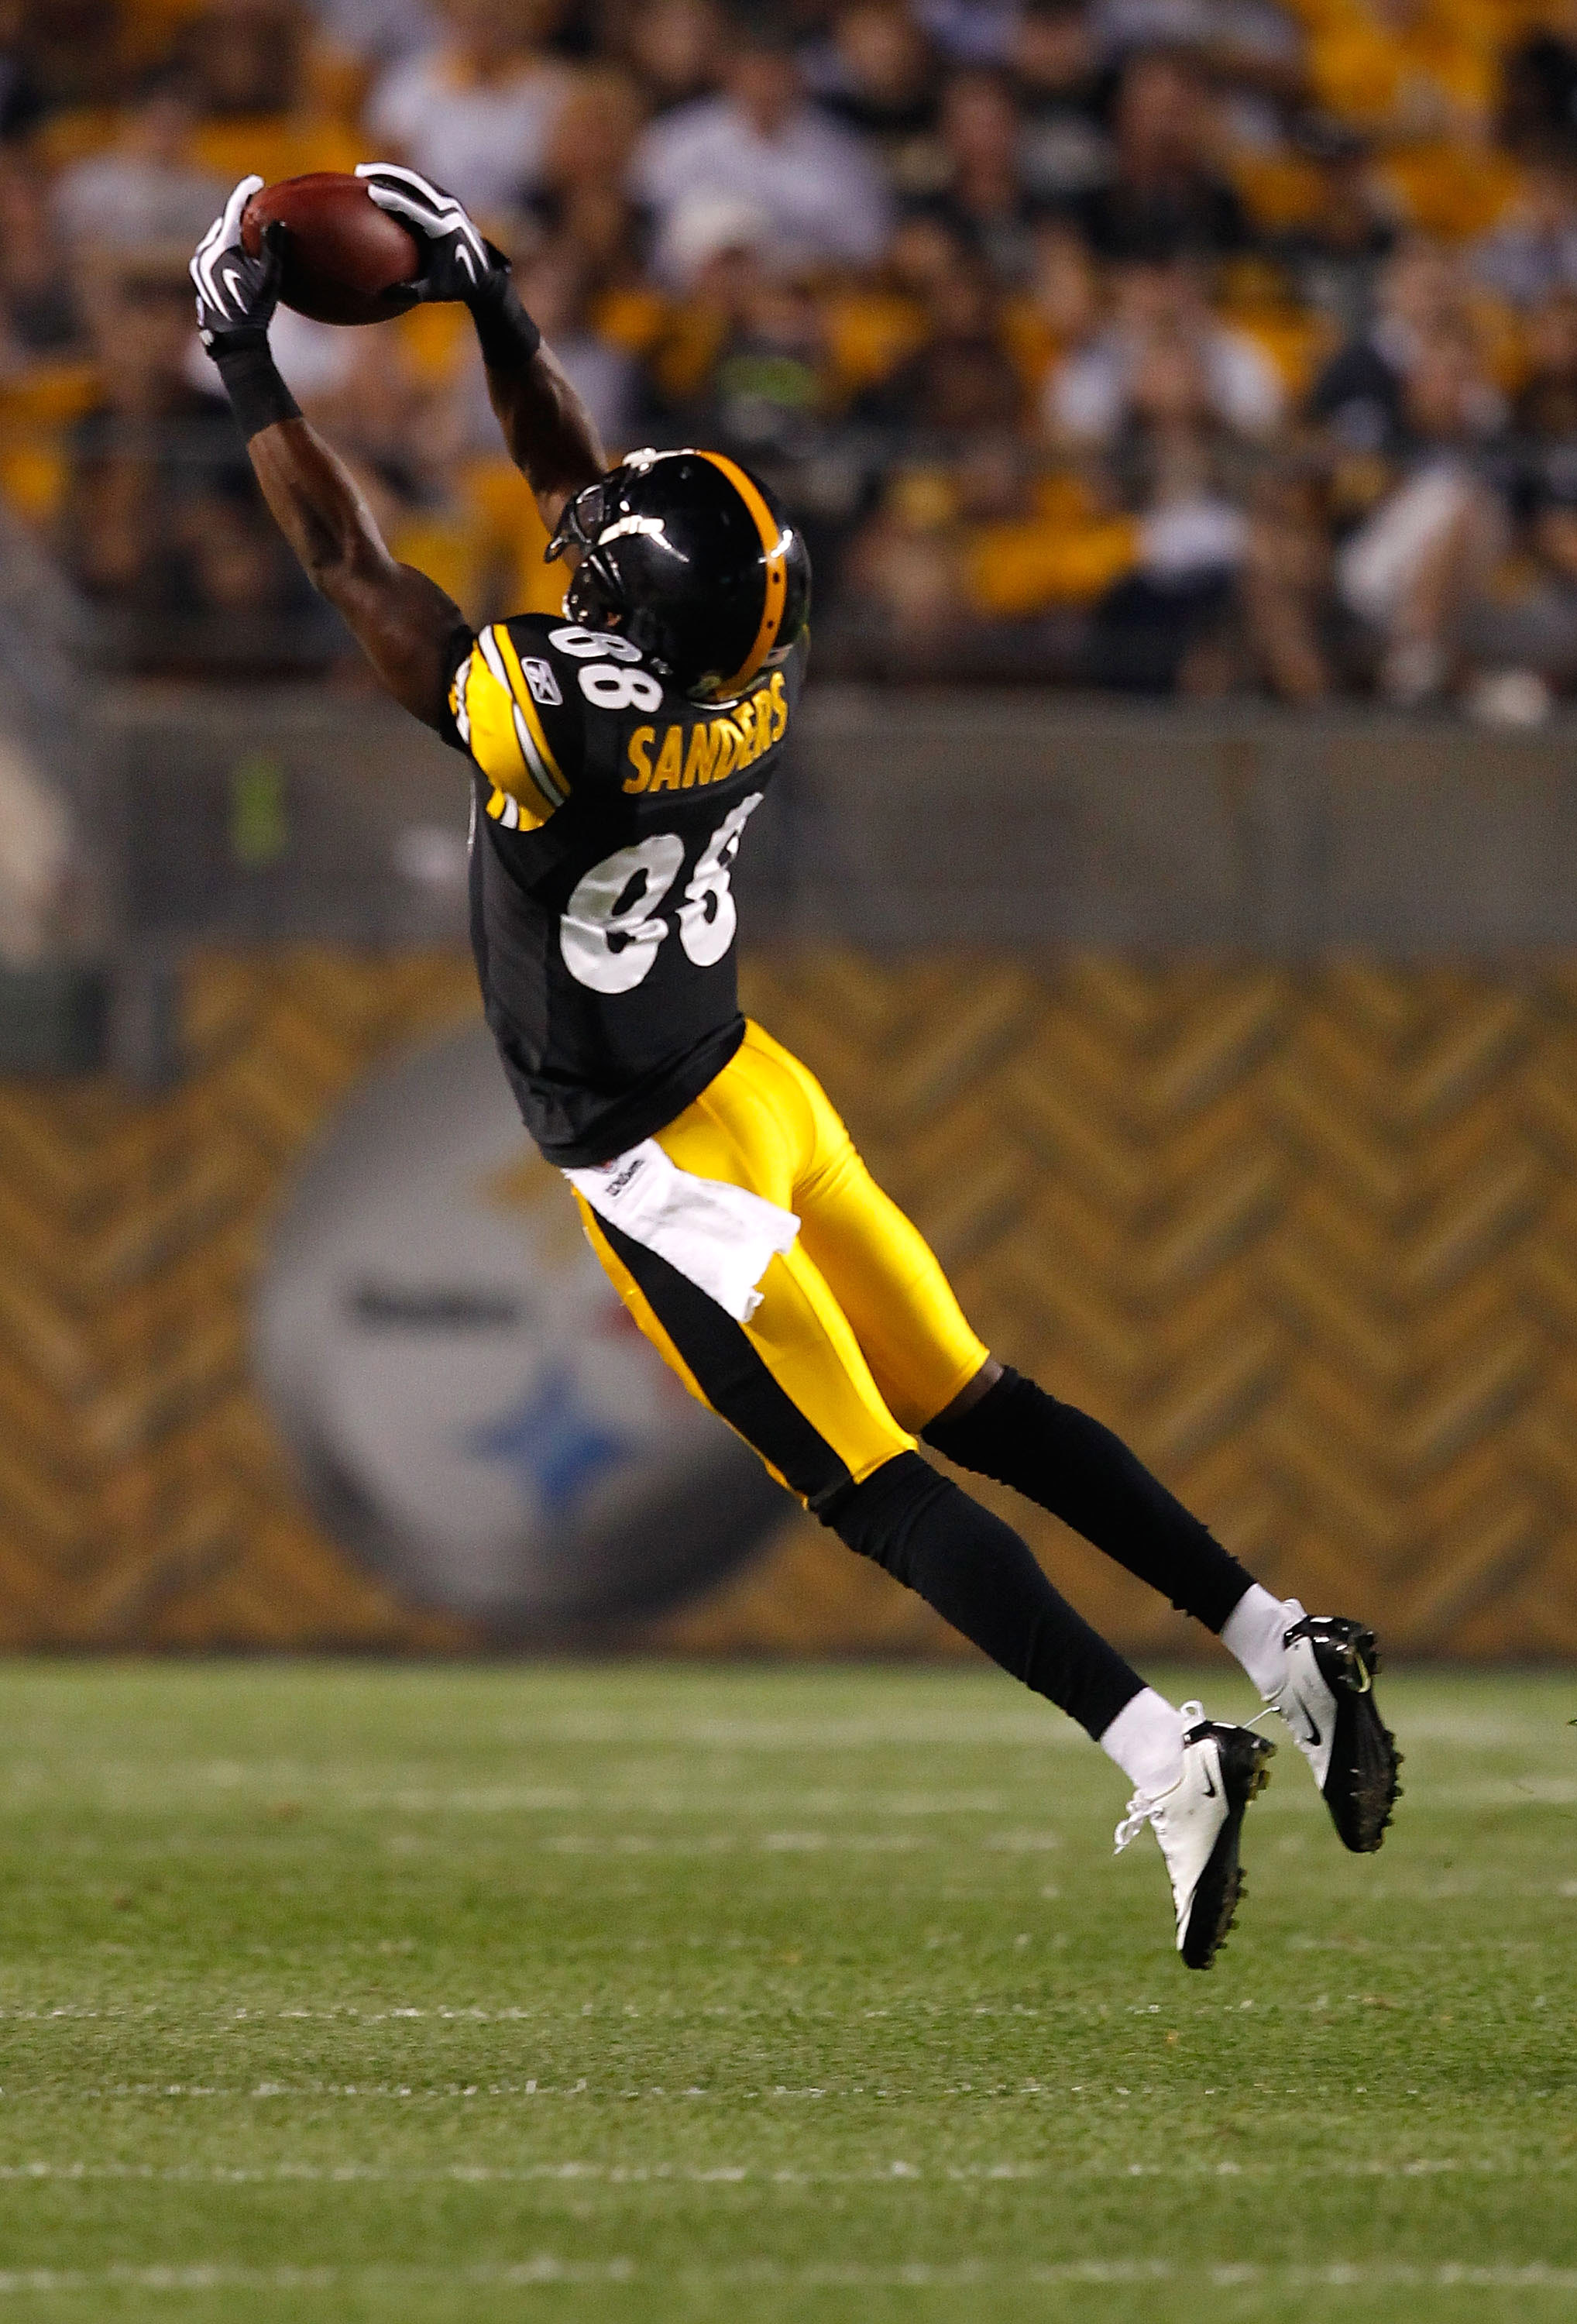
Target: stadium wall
(1304, 1231)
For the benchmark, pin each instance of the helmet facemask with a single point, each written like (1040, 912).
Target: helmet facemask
(583, 519)
(594, 596)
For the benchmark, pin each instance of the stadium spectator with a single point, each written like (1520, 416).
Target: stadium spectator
(68, 52)
(1057, 311)
(960, 384)
(1360, 394)
(983, 198)
(580, 194)
(374, 34)
(876, 73)
(1259, 47)
(874, 70)
(1065, 148)
(244, 58)
(21, 99)
(761, 142)
(1178, 471)
(38, 305)
(1285, 586)
(398, 429)
(477, 110)
(1544, 409)
(771, 396)
(1533, 252)
(142, 188)
(161, 518)
(748, 363)
(1538, 98)
(1527, 625)
(1250, 44)
(1164, 185)
(1333, 249)
(1421, 560)
(1160, 320)
(971, 31)
(553, 283)
(671, 46)
(1254, 51)
(708, 234)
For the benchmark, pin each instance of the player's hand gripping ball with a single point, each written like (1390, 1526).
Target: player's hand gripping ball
(340, 249)
(237, 290)
(319, 243)
(458, 262)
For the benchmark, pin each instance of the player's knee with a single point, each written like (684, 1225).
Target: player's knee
(961, 1435)
(877, 1519)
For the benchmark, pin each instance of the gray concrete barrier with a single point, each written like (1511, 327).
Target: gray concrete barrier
(903, 819)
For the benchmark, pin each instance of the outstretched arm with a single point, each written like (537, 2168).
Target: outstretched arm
(551, 436)
(404, 624)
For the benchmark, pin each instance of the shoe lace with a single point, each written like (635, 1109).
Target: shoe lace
(1141, 1810)
(1144, 1806)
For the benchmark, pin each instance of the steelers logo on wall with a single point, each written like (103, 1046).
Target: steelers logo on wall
(470, 1408)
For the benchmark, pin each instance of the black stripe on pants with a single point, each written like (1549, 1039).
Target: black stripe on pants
(733, 1377)
(976, 1572)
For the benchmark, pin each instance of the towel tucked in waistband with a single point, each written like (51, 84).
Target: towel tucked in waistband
(720, 1238)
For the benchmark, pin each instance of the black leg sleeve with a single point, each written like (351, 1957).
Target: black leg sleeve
(983, 1578)
(1081, 1472)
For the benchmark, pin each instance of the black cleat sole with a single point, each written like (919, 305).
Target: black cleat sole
(1245, 1761)
(1361, 1787)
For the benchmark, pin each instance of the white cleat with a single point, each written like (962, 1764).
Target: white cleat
(1198, 1823)
(1327, 1701)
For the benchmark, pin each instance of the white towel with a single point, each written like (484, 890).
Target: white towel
(720, 1238)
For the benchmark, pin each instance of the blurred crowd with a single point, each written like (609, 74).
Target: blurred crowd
(1193, 346)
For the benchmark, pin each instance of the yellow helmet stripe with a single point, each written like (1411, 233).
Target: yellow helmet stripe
(776, 595)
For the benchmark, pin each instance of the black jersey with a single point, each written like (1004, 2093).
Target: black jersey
(607, 813)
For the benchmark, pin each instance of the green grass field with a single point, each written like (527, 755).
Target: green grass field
(338, 1992)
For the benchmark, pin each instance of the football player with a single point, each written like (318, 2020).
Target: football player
(617, 753)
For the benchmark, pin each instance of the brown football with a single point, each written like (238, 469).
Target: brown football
(345, 261)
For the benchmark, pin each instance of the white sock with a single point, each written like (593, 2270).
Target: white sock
(1253, 1632)
(1145, 1739)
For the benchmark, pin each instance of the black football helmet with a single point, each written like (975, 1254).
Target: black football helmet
(692, 560)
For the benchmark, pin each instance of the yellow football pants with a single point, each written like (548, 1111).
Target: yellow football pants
(858, 1341)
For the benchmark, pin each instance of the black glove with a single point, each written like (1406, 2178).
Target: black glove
(458, 262)
(236, 294)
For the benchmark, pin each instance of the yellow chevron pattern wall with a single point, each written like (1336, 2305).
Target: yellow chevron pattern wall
(1308, 1239)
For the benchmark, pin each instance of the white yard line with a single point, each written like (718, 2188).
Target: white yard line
(899, 2274)
(736, 2174)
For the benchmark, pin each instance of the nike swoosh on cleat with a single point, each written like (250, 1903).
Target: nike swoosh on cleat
(1210, 1791)
(1313, 1738)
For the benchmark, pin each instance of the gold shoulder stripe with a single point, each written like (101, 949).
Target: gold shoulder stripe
(493, 736)
(776, 595)
(534, 740)
(457, 703)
